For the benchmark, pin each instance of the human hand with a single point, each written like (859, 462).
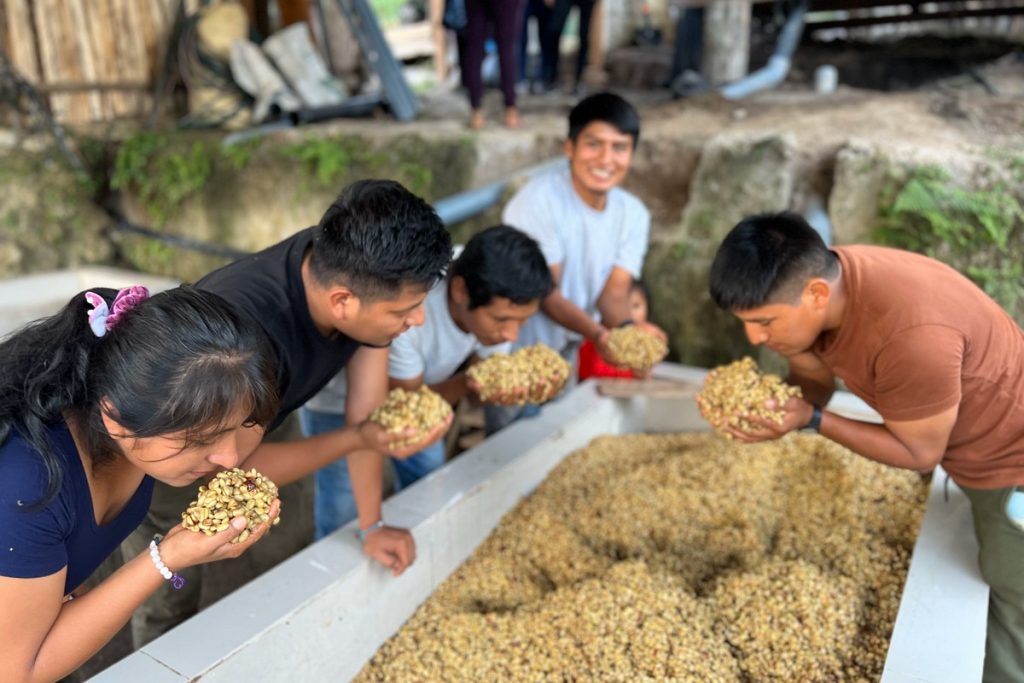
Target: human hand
(796, 415)
(181, 548)
(653, 329)
(605, 350)
(546, 388)
(399, 444)
(513, 396)
(392, 547)
(428, 439)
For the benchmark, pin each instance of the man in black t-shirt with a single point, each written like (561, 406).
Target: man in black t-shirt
(330, 297)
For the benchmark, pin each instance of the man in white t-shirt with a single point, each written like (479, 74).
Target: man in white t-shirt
(493, 286)
(593, 234)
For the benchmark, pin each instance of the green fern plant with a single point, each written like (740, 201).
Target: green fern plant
(977, 231)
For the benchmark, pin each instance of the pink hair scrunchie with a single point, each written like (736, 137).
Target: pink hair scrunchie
(103, 318)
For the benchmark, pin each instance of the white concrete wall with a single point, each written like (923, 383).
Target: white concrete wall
(27, 298)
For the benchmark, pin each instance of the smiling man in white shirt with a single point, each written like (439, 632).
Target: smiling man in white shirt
(593, 234)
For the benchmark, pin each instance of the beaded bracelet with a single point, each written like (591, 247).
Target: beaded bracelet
(177, 580)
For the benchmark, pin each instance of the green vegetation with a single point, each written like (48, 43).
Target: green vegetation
(387, 11)
(335, 162)
(978, 231)
(163, 170)
(328, 159)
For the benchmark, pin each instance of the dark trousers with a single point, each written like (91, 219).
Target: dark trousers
(540, 10)
(505, 16)
(559, 15)
(1001, 560)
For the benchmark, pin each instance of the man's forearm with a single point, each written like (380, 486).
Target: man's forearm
(873, 441)
(289, 461)
(366, 470)
(570, 316)
(813, 391)
(453, 388)
(614, 307)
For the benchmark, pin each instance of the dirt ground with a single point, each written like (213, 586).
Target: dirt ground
(983, 105)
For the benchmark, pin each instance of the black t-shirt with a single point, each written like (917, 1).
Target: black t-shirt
(267, 287)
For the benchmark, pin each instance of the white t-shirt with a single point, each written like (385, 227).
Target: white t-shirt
(435, 350)
(587, 244)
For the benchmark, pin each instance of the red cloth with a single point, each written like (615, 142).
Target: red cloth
(592, 365)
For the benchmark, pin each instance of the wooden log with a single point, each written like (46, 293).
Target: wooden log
(726, 40)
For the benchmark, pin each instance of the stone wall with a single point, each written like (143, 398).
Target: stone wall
(961, 205)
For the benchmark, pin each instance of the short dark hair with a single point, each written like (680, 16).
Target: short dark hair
(502, 261)
(180, 361)
(378, 237)
(638, 285)
(608, 108)
(768, 258)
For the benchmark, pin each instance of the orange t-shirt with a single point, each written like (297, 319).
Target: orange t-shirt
(918, 338)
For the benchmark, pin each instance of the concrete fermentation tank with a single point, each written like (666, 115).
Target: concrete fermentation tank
(322, 614)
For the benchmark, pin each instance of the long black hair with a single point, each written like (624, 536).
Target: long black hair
(181, 361)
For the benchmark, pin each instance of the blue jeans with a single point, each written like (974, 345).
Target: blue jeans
(334, 503)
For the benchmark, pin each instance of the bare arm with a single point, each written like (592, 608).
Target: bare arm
(567, 314)
(913, 445)
(451, 389)
(814, 378)
(367, 389)
(286, 462)
(43, 638)
(613, 303)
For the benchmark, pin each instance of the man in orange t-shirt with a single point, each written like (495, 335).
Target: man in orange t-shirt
(938, 359)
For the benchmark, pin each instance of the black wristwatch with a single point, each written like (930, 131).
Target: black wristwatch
(815, 423)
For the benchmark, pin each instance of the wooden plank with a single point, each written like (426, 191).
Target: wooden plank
(108, 55)
(22, 39)
(48, 26)
(918, 17)
(82, 37)
(134, 51)
(654, 387)
(410, 41)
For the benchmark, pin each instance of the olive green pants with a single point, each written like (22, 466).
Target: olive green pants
(1001, 559)
(208, 583)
